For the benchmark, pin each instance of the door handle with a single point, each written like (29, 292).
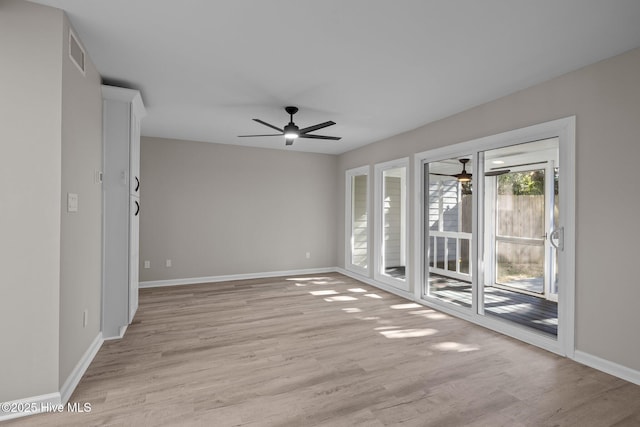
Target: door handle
(137, 184)
(556, 238)
(137, 209)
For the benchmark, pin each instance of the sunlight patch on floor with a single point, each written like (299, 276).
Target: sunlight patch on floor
(454, 346)
(405, 306)
(352, 310)
(375, 296)
(340, 298)
(408, 333)
(357, 290)
(325, 292)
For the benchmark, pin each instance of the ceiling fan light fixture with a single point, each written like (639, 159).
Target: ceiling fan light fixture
(291, 131)
(464, 178)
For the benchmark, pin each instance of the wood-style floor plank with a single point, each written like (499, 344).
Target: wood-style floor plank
(327, 350)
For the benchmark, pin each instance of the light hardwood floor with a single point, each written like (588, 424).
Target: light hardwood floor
(327, 350)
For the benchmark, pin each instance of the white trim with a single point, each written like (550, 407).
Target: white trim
(121, 332)
(230, 277)
(41, 403)
(348, 223)
(36, 403)
(81, 367)
(126, 95)
(607, 366)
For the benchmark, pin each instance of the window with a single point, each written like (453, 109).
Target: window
(357, 220)
(391, 223)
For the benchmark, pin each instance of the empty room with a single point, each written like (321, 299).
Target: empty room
(336, 213)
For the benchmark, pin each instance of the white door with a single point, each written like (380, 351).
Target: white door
(134, 256)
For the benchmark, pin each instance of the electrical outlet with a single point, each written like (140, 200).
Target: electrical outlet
(85, 318)
(72, 202)
(168, 263)
(147, 264)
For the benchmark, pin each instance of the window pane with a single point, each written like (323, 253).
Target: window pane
(393, 221)
(359, 221)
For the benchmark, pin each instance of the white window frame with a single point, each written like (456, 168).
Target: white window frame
(380, 168)
(348, 231)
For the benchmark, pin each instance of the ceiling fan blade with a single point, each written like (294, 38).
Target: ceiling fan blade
(270, 134)
(267, 124)
(496, 173)
(333, 138)
(316, 127)
(442, 174)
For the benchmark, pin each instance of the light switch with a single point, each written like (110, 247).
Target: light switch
(72, 202)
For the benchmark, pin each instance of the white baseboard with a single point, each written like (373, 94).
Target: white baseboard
(48, 402)
(230, 277)
(81, 367)
(29, 406)
(607, 366)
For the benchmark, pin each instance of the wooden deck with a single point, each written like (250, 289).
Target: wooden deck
(526, 310)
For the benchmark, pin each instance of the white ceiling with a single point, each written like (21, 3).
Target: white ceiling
(375, 67)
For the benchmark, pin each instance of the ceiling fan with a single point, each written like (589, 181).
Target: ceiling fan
(291, 132)
(465, 176)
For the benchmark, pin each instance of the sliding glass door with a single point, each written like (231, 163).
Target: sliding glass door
(494, 229)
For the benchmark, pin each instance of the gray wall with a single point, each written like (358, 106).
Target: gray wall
(605, 98)
(30, 171)
(81, 239)
(220, 209)
(51, 137)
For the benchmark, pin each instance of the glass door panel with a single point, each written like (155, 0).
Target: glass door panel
(518, 217)
(448, 230)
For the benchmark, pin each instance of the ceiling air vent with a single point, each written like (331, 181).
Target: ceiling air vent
(76, 52)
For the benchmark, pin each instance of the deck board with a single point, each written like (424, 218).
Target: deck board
(526, 310)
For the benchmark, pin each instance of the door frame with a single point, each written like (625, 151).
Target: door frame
(564, 129)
